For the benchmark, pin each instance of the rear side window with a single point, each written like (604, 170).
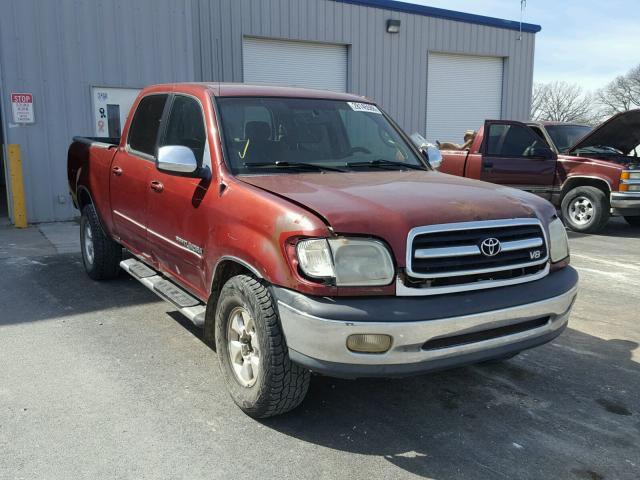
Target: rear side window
(509, 140)
(143, 133)
(186, 126)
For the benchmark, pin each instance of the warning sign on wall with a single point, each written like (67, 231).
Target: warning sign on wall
(22, 107)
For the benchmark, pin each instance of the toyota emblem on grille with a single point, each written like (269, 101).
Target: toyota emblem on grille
(490, 247)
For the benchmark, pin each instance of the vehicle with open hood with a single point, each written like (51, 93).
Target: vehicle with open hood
(589, 174)
(304, 232)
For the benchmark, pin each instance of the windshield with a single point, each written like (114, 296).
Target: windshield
(263, 135)
(565, 136)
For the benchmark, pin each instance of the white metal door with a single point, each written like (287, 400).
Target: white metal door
(462, 92)
(297, 64)
(110, 109)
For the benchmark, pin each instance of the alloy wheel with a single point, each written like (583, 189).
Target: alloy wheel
(243, 350)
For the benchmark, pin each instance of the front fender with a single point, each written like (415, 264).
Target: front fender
(254, 228)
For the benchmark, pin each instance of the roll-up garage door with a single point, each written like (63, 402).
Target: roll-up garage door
(298, 64)
(462, 92)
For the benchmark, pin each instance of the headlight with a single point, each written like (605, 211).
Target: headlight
(350, 261)
(630, 175)
(558, 242)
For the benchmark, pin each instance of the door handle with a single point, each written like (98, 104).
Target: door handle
(117, 171)
(157, 186)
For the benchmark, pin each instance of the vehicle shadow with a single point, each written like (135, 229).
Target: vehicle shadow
(566, 410)
(48, 287)
(615, 227)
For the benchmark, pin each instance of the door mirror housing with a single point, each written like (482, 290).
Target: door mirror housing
(542, 153)
(177, 159)
(430, 151)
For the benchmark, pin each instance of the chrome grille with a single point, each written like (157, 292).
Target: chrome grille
(451, 255)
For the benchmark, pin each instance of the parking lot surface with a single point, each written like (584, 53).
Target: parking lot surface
(104, 380)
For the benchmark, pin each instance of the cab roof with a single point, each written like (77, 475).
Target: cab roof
(253, 90)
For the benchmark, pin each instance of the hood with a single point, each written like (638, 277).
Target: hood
(622, 132)
(388, 204)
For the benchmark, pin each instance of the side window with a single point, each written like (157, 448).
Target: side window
(508, 140)
(185, 126)
(143, 133)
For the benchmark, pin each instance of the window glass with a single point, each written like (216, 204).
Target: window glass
(565, 136)
(508, 140)
(537, 131)
(330, 133)
(185, 126)
(143, 133)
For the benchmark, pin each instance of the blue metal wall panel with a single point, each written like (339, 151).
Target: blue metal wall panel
(57, 50)
(389, 68)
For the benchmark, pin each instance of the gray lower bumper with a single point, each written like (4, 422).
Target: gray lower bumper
(316, 330)
(625, 203)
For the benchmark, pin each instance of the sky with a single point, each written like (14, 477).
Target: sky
(588, 42)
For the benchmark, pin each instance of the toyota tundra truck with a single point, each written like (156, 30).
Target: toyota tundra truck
(305, 232)
(587, 174)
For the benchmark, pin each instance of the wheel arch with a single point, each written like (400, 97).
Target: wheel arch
(226, 267)
(586, 181)
(84, 198)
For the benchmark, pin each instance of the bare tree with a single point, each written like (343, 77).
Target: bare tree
(561, 102)
(621, 94)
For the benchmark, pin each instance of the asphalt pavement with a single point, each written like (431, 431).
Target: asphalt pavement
(105, 381)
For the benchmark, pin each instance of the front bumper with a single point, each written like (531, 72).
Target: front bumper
(475, 326)
(625, 203)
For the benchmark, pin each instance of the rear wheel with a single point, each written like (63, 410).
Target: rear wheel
(633, 221)
(585, 209)
(253, 352)
(101, 255)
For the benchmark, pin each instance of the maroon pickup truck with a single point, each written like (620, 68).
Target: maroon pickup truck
(587, 174)
(305, 233)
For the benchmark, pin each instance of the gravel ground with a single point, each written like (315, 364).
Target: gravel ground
(103, 380)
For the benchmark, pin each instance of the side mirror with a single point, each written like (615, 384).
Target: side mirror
(429, 150)
(177, 159)
(542, 153)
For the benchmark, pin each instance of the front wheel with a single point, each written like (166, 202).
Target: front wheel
(633, 221)
(253, 353)
(585, 209)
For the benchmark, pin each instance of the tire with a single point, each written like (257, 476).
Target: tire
(633, 221)
(585, 209)
(101, 255)
(248, 333)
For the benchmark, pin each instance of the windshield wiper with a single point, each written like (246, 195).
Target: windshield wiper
(381, 163)
(280, 164)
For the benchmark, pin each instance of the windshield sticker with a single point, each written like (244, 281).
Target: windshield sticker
(364, 107)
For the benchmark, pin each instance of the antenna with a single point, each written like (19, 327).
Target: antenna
(523, 5)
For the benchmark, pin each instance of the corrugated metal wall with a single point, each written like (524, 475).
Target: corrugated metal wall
(57, 50)
(391, 69)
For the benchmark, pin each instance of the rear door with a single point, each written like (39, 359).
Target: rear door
(130, 174)
(514, 155)
(179, 222)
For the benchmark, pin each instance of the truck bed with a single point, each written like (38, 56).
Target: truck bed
(89, 164)
(104, 142)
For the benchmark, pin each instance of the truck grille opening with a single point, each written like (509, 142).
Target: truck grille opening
(467, 338)
(461, 254)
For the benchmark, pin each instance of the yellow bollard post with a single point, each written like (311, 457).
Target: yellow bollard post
(17, 186)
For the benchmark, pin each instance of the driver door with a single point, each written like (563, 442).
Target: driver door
(180, 222)
(514, 155)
